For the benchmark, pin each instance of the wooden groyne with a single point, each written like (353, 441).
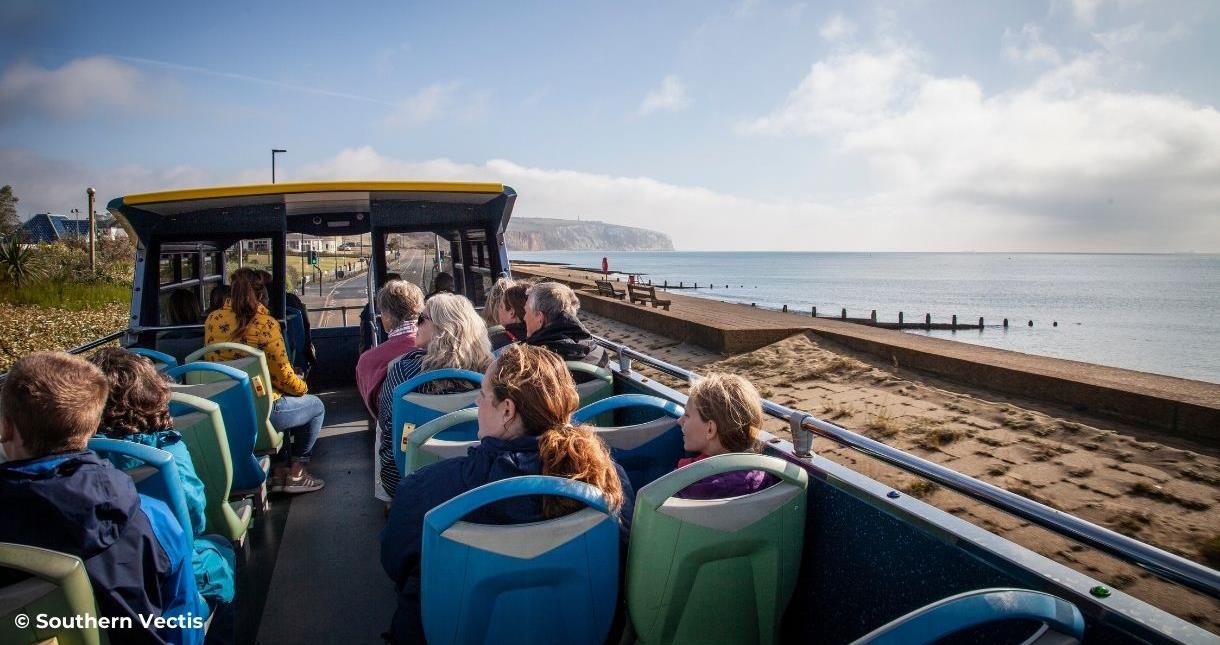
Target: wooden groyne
(1180, 407)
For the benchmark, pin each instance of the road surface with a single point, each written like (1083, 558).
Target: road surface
(352, 292)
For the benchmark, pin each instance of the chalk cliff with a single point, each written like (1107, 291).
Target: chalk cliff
(544, 234)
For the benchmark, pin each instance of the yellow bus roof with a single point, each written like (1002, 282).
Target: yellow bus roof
(220, 192)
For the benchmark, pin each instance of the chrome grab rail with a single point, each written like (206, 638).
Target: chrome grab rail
(1156, 561)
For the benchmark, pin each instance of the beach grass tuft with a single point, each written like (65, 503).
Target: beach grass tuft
(62, 294)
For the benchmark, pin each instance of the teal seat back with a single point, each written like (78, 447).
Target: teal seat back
(294, 337)
(424, 447)
(253, 362)
(554, 581)
(718, 570)
(153, 470)
(649, 444)
(160, 359)
(58, 586)
(232, 392)
(412, 408)
(593, 384)
(202, 428)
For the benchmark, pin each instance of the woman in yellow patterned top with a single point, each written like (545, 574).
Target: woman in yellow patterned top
(243, 319)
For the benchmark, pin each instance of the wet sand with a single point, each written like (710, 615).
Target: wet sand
(1111, 474)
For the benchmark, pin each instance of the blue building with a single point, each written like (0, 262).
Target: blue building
(53, 227)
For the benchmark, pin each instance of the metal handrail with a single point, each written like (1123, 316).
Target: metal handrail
(1157, 561)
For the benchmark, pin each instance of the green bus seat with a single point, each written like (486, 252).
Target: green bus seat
(203, 430)
(593, 384)
(252, 362)
(717, 570)
(59, 586)
(424, 447)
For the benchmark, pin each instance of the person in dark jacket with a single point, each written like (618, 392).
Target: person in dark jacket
(56, 495)
(510, 314)
(550, 321)
(525, 407)
(723, 414)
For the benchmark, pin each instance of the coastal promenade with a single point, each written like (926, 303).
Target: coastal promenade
(1180, 407)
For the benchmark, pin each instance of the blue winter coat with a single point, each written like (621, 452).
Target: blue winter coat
(137, 557)
(491, 460)
(212, 559)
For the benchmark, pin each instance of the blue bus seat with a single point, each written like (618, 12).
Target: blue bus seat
(1061, 620)
(716, 570)
(236, 400)
(554, 581)
(294, 338)
(203, 429)
(413, 409)
(160, 359)
(59, 586)
(153, 470)
(253, 362)
(649, 444)
(423, 447)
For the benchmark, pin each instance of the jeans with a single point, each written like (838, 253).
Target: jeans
(300, 417)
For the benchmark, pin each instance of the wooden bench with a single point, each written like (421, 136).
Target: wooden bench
(646, 294)
(606, 288)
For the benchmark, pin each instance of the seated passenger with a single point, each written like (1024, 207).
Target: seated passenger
(137, 410)
(550, 320)
(525, 408)
(216, 300)
(512, 314)
(399, 303)
(492, 304)
(243, 319)
(449, 335)
(183, 308)
(58, 495)
(442, 283)
(366, 321)
(723, 415)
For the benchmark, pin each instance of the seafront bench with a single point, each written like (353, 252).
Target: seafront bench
(646, 294)
(606, 288)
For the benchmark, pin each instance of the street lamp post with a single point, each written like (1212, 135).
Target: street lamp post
(274, 151)
(92, 232)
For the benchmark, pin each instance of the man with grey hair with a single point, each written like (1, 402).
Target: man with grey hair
(398, 303)
(551, 322)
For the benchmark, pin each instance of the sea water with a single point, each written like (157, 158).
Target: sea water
(1151, 313)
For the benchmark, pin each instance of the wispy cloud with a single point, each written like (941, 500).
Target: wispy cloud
(671, 95)
(428, 104)
(837, 28)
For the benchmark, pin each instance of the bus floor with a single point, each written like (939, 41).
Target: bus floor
(311, 571)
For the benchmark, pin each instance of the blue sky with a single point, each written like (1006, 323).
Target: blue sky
(1062, 125)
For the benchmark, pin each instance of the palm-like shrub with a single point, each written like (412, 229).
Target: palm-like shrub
(17, 262)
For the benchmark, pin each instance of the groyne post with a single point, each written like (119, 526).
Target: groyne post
(874, 317)
(814, 312)
(1031, 323)
(955, 321)
(680, 284)
(980, 322)
(785, 308)
(1005, 323)
(900, 320)
(927, 321)
(844, 314)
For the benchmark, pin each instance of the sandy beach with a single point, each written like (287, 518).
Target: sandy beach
(1106, 472)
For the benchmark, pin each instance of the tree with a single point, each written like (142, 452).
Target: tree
(9, 221)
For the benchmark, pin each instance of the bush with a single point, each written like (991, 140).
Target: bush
(18, 263)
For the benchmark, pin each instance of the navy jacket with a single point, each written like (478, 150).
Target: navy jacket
(491, 460)
(138, 559)
(569, 339)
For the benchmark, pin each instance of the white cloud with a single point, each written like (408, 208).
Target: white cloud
(78, 88)
(426, 105)
(1080, 166)
(671, 95)
(844, 92)
(1027, 46)
(1086, 10)
(837, 28)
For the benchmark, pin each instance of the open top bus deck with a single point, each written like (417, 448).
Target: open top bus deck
(309, 569)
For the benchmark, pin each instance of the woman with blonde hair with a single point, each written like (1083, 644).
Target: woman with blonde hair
(525, 407)
(449, 335)
(723, 414)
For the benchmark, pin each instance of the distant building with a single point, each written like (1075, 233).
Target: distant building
(53, 227)
(256, 245)
(297, 245)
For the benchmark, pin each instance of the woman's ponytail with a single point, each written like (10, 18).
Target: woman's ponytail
(576, 453)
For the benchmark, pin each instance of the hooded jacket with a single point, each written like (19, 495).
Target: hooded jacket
(421, 491)
(569, 339)
(505, 335)
(731, 484)
(137, 557)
